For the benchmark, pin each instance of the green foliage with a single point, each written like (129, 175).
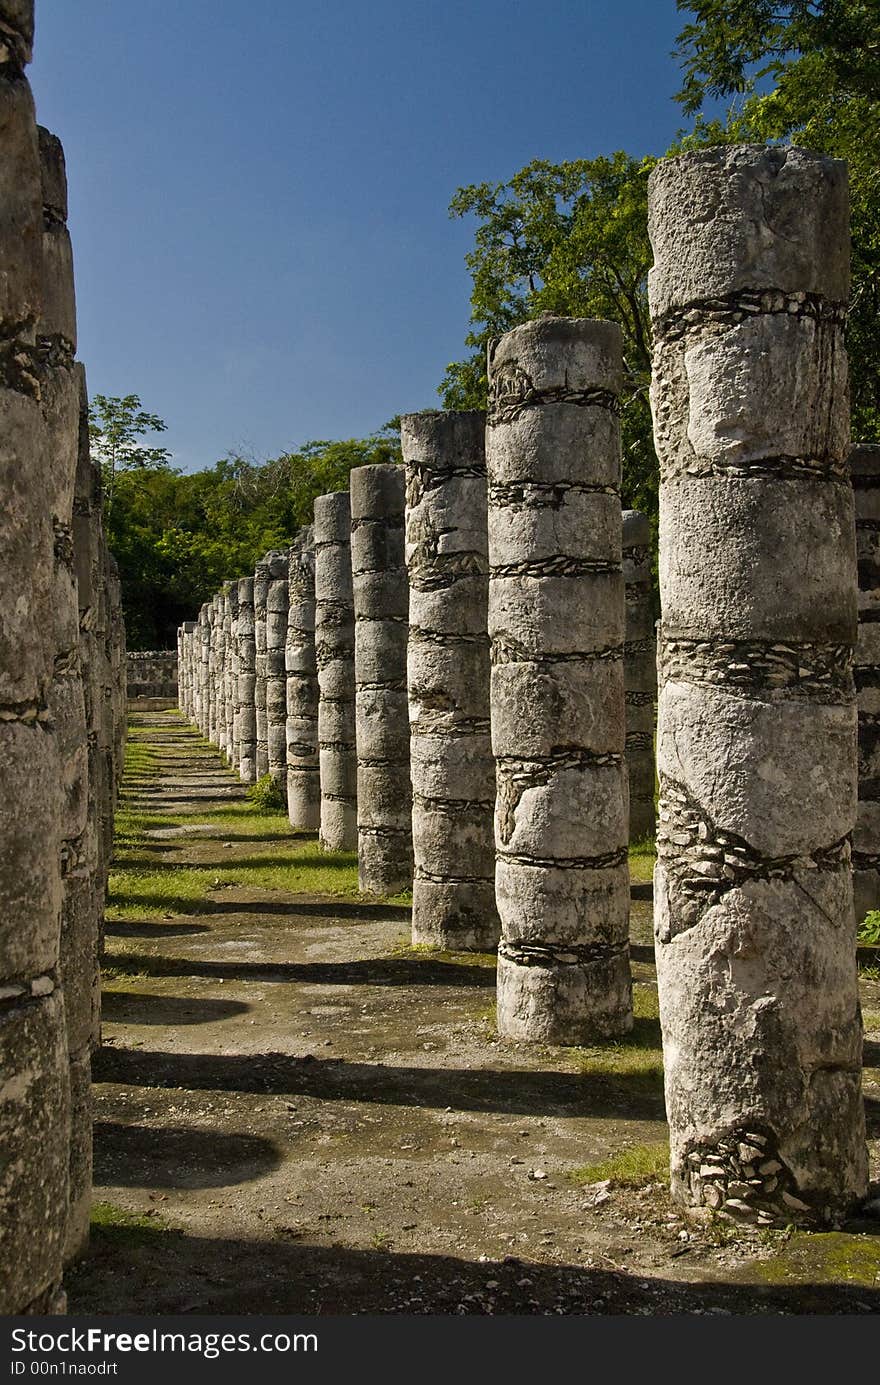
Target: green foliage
(823, 60)
(869, 929)
(115, 425)
(572, 237)
(177, 537)
(267, 795)
(567, 238)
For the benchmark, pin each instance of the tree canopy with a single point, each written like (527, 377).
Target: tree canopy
(177, 537)
(572, 237)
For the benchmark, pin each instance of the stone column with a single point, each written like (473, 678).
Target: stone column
(334, 652)
(245, 730)
(230, 668)
(303, 778)
(639, 675)
(186, 686)
(452, 768)
(34, 1066)
(756, 739)
(381, 612)
(261, 590)
(556, 620)
(59, 389)
(277, 603)
(864, 464)
(205, 670)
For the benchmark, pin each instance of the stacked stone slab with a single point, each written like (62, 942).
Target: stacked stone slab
(452, 769)
(639, 675)
(277, 604)
(60, 397)
(303, 774)
(334, 654)
(245, 728)
(556, 621)
(756, 732)
(381, 611)
(261, 590)
(34, 1060)
(153, 673)
(865, 473)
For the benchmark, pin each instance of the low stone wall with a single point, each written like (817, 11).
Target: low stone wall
(152, 673)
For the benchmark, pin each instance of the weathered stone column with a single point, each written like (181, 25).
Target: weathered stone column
(245, 730)
(261, 590)
(865, 472)
(277, 602)
(60, 390)
(34, 1065)
(213, 732)
(556, 620)
(639, 675)
(230, 667)
(334, 652)
(381, 612)
(756, 740)
(452, 768)
(303, 778)
(186, 686)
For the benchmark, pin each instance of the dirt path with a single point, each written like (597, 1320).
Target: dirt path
(297, 1113)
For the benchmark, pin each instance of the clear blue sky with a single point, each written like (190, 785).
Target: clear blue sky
(259, 188)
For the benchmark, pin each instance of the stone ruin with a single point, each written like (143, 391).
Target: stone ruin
(62, 713)
(151, 675)
(756, 736)
(494, 584)
(453, 672)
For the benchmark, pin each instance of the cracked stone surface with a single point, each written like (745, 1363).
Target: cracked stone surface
(756, 737)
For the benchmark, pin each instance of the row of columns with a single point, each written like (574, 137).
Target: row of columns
(62, 714)
(500, 605)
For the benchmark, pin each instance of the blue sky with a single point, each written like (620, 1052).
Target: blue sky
(259, 189)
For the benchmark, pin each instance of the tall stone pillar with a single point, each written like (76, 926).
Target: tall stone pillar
(230, 667)
(185, 690)
(245, 730)
(214, 655)
(277, 604)
(639, 675)
(756, 740)
(59, 389)
(34, 1066)
(261, 591)
(303, 778)
(381, 612)
(865, 472)
(556, 620)
(452, 768)
(334, 652)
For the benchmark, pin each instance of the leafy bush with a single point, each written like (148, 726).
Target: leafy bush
(267, 795)
(869, 930)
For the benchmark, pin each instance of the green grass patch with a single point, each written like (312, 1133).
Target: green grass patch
(823, 1257)
(642, 856)
(636, 1056)
(114, 1225)
(629, 1168)
(404, 948)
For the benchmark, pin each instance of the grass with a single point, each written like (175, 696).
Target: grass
(145, 884)
(629, 1168)
(642, 856)
(116, 1226)
(637, 1056)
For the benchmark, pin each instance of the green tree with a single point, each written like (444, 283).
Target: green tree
(116, 423)
(566, 238)
(809, 74)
